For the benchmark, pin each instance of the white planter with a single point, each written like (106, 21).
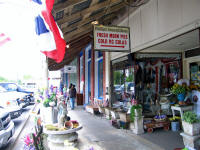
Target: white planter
(107, 112)
(114, 114)
(191, 129)
(191, 142)
(137, 125)
(46, 113)
(102, 110)
(138, 112)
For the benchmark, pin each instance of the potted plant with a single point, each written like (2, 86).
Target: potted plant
(175, 123)
(191, 123)
(136, 119)
(179, 91)
(136, 111)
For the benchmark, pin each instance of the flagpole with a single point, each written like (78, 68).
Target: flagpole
(46, 75)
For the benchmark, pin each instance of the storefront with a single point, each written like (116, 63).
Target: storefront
(90, 75)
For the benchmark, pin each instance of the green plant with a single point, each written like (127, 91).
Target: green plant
(46, 102)
(50, 99)
(190, 117)
(137, 107)
(178, 89)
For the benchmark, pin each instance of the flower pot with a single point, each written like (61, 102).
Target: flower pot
(181, 97)
(137, 126)
(191, 129)
(175, 126)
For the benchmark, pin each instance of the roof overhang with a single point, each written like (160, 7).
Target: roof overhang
(75, 17)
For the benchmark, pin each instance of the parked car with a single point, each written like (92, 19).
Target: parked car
(30, 93)
(120, 88)
(8, 100)
(7, 128)
(117, 86)
(24, 95)
(131, 87)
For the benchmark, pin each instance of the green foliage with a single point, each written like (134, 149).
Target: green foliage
(2, 79)
(129, 78)
(178, 89)
(50, 99)
(46, 102)
(190, 117)
(118, 77)
(138, 107)
(27, 77)
(19, 82)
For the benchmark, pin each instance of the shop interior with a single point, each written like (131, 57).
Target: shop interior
(150, 78)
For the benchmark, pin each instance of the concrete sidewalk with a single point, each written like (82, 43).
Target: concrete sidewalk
(98, 133)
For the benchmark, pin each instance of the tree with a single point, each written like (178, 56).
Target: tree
(27, 77)
(118, 77)
(2, 79)
(129, 78)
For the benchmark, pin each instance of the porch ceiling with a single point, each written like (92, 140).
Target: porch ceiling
(74, 18)
(179, 44)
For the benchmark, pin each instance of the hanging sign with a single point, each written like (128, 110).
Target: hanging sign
(112, 38)
(69, 69)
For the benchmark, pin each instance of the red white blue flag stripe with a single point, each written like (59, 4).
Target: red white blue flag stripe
(50, 39)
(3, 39)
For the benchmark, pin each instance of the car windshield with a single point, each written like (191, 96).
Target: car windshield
(10, 86)
(2, 89)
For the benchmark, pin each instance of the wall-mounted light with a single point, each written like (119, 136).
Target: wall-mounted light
(67, 46)
(95, 22)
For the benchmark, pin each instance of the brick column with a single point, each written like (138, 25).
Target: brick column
(104, 75)
(92, 73)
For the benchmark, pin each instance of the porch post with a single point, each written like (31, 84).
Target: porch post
(92, 73)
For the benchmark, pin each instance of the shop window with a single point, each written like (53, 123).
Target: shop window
(100, 54)
(195, 73)
(89, 54)
(129, 80)
(124, 83)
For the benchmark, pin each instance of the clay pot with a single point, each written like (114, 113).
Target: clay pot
(68, 124)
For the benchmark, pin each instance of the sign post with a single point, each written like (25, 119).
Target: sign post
(112, 38)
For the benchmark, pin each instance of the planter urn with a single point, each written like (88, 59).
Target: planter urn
(191, 129)
(137, 125)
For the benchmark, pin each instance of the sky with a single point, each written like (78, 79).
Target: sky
(21, 55)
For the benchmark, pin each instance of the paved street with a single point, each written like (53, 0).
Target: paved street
(19, 124)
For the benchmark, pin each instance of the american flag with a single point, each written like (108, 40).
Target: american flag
(3, 39)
